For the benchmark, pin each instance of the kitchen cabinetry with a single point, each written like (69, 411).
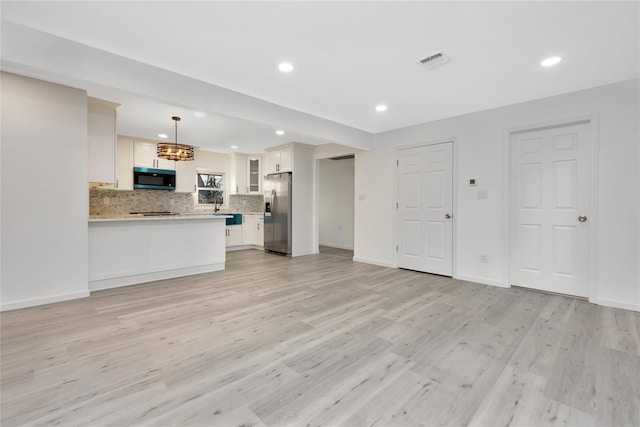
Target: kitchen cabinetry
(254, 176)
(233, 235)
(244, 171)
(186, 176)
(144, 156)
(279, 159)
(128, 251)
(124, 164)
(101, 140)
(253, 229)
(238, 172)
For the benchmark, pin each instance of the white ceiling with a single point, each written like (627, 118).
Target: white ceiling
(348, 56)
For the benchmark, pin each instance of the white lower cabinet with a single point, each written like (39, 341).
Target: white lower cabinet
(125, 252)
(252, 229)
(234, 235)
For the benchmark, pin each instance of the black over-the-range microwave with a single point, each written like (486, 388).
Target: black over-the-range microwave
(154, 179)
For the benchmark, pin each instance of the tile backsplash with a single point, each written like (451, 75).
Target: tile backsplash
(111, 203)
(246, 203)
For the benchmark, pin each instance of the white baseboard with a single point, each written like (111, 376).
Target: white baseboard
(244, 247)
(331, 245)
(481, 280)
(370, 261)
(615, 304)
(116, 282)
(41, 301)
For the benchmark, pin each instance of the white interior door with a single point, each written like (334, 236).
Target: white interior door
(425, 202)
(550, 198)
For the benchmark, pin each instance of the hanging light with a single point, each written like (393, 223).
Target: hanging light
(175, 151)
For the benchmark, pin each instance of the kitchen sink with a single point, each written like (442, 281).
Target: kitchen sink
(236, 220)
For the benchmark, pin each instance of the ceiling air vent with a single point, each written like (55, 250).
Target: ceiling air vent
(435, 60)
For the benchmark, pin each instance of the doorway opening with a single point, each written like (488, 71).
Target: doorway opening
(336, 182)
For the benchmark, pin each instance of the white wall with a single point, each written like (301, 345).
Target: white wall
(482, 155)
(44, 192)
(335, 202)
(303, 195)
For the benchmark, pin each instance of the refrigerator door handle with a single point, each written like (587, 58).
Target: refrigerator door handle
(273, 200)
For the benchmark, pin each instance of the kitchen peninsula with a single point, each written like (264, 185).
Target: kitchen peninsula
(131, 249)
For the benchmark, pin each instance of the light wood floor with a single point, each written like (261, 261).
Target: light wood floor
(329, 250)
(319, 340)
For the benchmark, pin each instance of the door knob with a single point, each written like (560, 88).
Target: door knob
(582, 218)
(447, 216)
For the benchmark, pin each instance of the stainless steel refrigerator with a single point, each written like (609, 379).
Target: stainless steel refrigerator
(277, 213)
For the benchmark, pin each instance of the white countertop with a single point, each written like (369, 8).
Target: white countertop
(159, 218)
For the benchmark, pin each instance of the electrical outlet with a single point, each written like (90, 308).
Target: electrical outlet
(105, 200)
(484, 258)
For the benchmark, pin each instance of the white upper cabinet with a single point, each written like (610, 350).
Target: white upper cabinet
(245, 174)
(254, 175)
(124, 164)
(238, 173)
(279, 160)
(101, 140)
(144, 156)
(186, 176)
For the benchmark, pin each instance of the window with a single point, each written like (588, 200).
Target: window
(211, 188)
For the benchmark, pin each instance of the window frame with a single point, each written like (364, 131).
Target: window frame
(222, 189)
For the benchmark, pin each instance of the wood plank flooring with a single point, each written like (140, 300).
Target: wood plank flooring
(319, 341)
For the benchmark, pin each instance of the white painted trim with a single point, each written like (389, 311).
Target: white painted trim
(615, 304)
(454, 197)
(242, 248)
(336, 246)
(374, 262)
(117, 282)
(41, 301)
(593, 209)
(482, 280)
(593, 121)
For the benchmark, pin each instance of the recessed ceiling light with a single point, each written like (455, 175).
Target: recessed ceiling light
(234, 147)
(285, 67)
(162, 135)
(199, 114)
(549, 62)
(381, 108)
(279, 132)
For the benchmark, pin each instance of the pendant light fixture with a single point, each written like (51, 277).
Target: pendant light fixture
(175, 151)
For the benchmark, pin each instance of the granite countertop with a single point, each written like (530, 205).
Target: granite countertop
(188, 216)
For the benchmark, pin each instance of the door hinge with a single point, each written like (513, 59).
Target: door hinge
(397, 162)
(396, 248)
(396, 205)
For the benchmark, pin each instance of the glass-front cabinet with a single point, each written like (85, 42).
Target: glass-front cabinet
(254, 178)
